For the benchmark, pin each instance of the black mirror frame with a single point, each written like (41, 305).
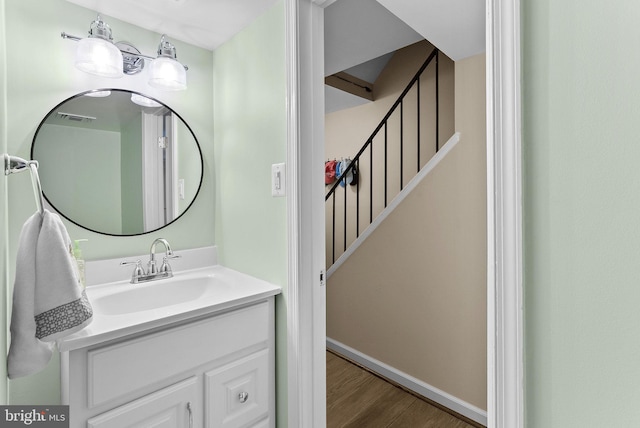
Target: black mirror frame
(131, 92)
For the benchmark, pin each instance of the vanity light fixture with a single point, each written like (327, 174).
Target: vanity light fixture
(165, 72)
(97, 54)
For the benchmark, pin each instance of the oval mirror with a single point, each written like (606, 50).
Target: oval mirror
(117, 162)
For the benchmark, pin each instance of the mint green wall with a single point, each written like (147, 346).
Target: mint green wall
(250, 135)
(101, 206)
(581, 101)
(187, 151)
(4, 269)
(131, 176)
(40, 74)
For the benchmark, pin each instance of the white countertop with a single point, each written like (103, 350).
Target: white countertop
(228, 289)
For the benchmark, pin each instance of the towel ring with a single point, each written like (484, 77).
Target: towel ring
(14, 164)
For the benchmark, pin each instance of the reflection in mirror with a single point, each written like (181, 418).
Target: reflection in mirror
(115, 166)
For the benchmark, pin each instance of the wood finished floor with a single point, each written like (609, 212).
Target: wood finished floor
(359, 399)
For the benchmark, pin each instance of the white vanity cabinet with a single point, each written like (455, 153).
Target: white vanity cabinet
(213, 371)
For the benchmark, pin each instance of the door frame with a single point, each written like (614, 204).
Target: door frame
(306, 301)
(505, 317)
(305, 293)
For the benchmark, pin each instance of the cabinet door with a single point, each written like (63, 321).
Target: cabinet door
(149, 359)
(262, 424)
(237, 395)
(171, 407)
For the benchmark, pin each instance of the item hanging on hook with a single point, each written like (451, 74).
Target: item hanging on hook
(330, 171)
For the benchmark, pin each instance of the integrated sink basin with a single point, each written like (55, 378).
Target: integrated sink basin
(121, 308)
(130, 298)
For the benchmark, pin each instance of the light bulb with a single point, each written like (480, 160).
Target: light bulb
(168, 74)
(99, 57)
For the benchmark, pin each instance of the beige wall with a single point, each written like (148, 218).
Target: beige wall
(414, 294)
(347, 130)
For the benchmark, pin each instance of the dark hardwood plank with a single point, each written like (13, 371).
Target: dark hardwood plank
(356, 398)
(423, 415)
(385, 409)
(355, 401)
(343, 380)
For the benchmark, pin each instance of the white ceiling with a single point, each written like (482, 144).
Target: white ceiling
(356, 31)
(456, 27)
(203, 23)
(335, 99)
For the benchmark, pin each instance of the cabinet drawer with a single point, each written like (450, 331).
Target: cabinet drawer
(171, 407)
(133, 365)
(238, 394)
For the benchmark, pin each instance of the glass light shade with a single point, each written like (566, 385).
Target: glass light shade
(144, 101)
(168, 74)
(98, 94)
(99, 57)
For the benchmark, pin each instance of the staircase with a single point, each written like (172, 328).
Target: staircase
(410, 302)
(402, 144)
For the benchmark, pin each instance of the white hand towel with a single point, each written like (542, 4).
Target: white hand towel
(27, 354)
(62, 307)
(49, 301)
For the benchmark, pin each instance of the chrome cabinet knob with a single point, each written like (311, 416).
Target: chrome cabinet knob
(243, 397)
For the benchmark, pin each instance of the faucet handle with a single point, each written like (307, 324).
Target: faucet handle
(138, 271)
(166, 268)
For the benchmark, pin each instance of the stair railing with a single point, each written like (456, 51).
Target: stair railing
(354, 166)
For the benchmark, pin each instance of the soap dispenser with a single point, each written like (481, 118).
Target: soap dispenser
(77, 254)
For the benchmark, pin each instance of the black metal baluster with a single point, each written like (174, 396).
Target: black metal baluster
(401, 143)
(385, 164)
(357, 168)
(437, 107)
(333, 230)
(371, 182)
(345, 213)
(418, 120)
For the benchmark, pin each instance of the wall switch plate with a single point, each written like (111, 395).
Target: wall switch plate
(278, 182)
(181, 188)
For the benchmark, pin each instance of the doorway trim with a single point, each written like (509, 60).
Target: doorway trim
(306, 300)
(305, 293)
(505, 332)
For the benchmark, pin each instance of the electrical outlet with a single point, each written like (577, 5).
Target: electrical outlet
(278, 182)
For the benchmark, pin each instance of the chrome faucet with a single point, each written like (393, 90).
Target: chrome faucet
(153, 273)
(151, 266)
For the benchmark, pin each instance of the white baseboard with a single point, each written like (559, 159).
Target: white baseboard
(431, 392)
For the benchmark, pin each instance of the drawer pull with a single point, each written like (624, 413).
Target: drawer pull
(243, 397)
(190, 414)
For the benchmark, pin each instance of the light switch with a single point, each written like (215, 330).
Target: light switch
(181, 188)
(278, 182)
